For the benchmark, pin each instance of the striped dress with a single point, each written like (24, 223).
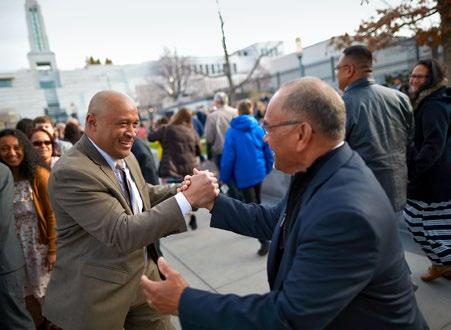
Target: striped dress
(428, 209)
(430, 224)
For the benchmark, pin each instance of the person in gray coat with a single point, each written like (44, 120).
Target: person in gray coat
(379, 123)
(13, 313)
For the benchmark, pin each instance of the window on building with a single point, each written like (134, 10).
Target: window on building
(6, 82)
(201, 68)
(36, 29)
(46, 84)
(234, 68)
(213, 71)
(43, 66)
(207, 71)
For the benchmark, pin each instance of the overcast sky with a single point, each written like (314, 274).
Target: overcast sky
(134, 31)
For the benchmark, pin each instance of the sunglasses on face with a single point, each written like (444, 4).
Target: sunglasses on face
(40, 143)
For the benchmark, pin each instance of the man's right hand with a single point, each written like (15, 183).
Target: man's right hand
(201, 189)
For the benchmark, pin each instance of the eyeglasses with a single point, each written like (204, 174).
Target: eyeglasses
(419, 76)
(267, 127)
(338, 67)
(40, 143)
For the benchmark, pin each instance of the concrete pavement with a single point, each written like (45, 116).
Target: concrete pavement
(224, 262)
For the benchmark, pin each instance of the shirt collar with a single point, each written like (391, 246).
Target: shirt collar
(110, 160)
(338, 145)
(365, 81)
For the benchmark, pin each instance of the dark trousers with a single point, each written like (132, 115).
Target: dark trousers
(13, 312)
(233, 191)
(252, 194)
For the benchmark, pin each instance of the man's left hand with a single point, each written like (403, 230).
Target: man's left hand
(165, 295)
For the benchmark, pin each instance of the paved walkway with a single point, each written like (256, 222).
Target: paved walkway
(224, 262)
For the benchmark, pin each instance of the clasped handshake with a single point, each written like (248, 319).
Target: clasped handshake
(200, 189)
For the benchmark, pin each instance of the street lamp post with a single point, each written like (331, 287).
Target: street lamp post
(300, 53)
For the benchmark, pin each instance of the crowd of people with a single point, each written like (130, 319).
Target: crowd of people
(83, 209)
(30, 151)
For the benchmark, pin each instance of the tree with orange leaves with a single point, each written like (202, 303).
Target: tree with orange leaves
(380, 30)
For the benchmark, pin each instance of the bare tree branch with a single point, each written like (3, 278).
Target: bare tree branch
(173, 73)
(254, 68)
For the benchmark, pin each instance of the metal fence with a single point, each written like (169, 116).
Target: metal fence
(395, 61)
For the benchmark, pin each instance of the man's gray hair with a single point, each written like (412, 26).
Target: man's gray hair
(221, 98)
(319, 102)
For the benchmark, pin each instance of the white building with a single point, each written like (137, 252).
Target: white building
(59, 93)
(43, 89)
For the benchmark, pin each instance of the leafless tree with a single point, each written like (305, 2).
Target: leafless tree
(233, 87)
(173, 74)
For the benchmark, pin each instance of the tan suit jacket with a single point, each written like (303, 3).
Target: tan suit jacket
(100, 242)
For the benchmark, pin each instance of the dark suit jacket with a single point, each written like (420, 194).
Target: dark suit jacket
(11, 257)
(343, 266)
(100, 256)
(146, 161)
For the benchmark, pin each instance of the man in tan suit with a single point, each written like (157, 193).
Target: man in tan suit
(106, 215)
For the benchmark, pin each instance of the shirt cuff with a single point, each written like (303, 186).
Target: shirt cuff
(183, 203)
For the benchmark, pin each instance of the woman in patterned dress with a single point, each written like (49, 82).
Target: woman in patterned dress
(35, 222)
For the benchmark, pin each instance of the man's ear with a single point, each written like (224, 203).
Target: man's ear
(352, 70)
(91, 120)
(304, 135)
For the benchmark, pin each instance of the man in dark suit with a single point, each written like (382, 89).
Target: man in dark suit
(13, 313)
(335, 260)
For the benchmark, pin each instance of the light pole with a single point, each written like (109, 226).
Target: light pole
(300, 53)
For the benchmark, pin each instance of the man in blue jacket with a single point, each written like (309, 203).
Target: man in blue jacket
(335, 261)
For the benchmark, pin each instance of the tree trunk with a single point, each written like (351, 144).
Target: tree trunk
(227, 67)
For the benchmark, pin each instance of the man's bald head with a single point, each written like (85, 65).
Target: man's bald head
(111, 123)
(102, 101)
(316, 100)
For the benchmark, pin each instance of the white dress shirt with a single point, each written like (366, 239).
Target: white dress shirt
(184, 205)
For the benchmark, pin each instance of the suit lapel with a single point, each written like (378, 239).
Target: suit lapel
(135, 172)
(87, 148)
(272, 262)
(275, 276)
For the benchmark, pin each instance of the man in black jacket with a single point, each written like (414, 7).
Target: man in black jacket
(379, 123)
(146, 162)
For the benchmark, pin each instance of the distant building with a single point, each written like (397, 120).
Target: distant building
(43, 89)
(42, 61)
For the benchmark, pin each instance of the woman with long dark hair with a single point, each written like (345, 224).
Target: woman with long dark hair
(35, 222)
(428, 209)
